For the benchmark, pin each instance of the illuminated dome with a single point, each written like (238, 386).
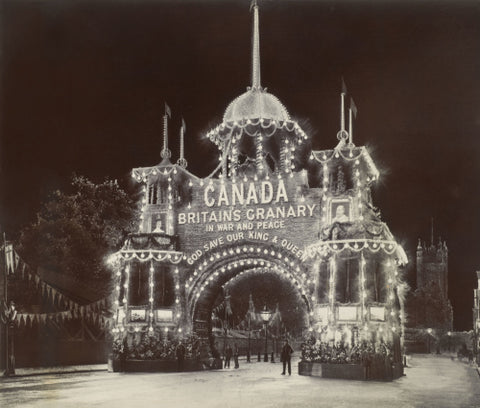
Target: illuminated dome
(257, 131)
(256, 103)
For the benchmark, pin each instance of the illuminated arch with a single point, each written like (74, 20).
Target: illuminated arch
(221, 266)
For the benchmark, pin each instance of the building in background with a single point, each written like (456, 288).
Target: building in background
(428, 306)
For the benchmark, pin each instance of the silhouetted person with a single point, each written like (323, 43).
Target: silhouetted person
(235, 355)
(180, 356)
(228, 356)
(286, 357)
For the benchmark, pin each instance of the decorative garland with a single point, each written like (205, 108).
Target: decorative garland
(337, 153)
(215, 135)
(175, 257)
(356, 245)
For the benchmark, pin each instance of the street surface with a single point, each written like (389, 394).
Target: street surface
(430, 381)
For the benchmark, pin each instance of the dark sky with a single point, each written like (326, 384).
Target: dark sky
(83, 86)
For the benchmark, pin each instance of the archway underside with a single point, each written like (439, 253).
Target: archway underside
(209, 279)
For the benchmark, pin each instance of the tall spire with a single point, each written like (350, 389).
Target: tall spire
(166, 153)
(255, 47)
(342, 134)
(182, 161)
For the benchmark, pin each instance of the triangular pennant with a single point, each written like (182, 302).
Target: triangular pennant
(17, 259)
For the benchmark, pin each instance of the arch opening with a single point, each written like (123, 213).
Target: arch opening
(244, 281)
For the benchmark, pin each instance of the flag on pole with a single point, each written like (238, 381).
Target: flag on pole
(228, 307)
(344, 87)
(9, 256)
(168, 112)
(353, 107)
(3, 311)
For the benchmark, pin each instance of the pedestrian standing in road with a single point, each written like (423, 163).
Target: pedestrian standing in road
(286, 357)
(180, 356)
(235, 355)
(228, 356)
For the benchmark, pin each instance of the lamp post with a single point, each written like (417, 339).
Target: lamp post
(258, 348)
(266, 314)
(476, 353)
(249, 331)
(9, 320)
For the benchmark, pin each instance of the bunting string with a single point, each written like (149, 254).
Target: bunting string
(92, 311)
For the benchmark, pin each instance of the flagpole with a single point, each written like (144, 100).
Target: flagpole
(7, 354)
(350, 126)
(5, 265)
(341, 135)
(5, 282)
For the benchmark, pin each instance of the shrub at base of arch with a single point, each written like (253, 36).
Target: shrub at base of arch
(145, 352)
(364, 361)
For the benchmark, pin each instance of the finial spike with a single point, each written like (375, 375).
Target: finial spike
(255, 47)
(342, 106)
(181, 161)
(352, 114)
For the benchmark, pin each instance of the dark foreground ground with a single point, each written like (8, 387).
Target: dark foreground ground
(430, 381)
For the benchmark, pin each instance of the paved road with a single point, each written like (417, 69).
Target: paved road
(431, 381)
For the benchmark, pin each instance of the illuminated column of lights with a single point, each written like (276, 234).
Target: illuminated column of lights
(332, 283)
(224, 158)
(287, 155)
(363, 292)
(234, 160)
(178, 306)
(151, 285)
(282, 159)
(291, 165)
(357, 185)
(391, 295)
(141, 227)
(169, 226)
(117, 283)
(259, 152)
(126, 284)
(325, 189)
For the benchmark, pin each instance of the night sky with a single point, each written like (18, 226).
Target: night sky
(83, 86)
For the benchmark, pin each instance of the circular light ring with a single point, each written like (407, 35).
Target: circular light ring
(303, 292)
(242, 254)
(279, 267)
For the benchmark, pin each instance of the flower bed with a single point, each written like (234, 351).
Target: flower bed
(152, 353)
(326, 370)
(366, 361)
